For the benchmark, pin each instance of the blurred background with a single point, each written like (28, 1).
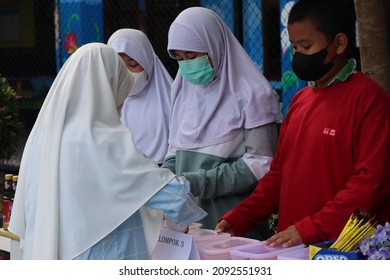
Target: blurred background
(36, 38)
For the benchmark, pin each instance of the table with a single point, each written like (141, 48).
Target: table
(11, 243)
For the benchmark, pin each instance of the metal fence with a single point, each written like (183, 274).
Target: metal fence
(37, 36)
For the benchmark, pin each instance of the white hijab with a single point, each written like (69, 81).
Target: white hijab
(238, 97)
(147, 112)
(80, 175)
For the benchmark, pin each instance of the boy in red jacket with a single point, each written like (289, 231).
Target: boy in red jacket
(333, 153)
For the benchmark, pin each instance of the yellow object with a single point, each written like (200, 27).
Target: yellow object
(359, 226)
(8, 234)
(363, 232)
(350, 224)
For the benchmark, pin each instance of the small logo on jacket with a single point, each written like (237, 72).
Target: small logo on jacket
(329, 131)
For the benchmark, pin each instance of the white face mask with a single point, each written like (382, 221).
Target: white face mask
(140, 82)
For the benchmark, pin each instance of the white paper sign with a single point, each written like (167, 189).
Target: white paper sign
(173, 245)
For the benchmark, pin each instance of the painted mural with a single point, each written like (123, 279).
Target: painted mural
(78, 23)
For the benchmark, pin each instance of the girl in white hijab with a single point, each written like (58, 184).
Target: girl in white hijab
(146, 109)
(223, 124)
(82, 183)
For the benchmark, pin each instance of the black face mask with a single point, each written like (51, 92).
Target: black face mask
(311, 67)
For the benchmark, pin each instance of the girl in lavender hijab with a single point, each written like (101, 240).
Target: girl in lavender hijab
(146, 109)
(223, 123)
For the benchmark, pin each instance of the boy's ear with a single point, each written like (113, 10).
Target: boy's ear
(342, 43)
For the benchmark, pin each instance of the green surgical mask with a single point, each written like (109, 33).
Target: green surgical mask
(197, 71)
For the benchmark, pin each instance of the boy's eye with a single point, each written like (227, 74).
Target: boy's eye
(300, 48)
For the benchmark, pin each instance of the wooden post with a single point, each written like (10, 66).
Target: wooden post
(373, 41)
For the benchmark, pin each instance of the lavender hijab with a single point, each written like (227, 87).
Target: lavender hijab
(147, 112)
(238, 98)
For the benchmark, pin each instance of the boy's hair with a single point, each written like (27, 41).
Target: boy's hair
(328, 16)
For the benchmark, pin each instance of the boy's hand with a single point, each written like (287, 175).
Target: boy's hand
(224, 226)
(287, 238)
